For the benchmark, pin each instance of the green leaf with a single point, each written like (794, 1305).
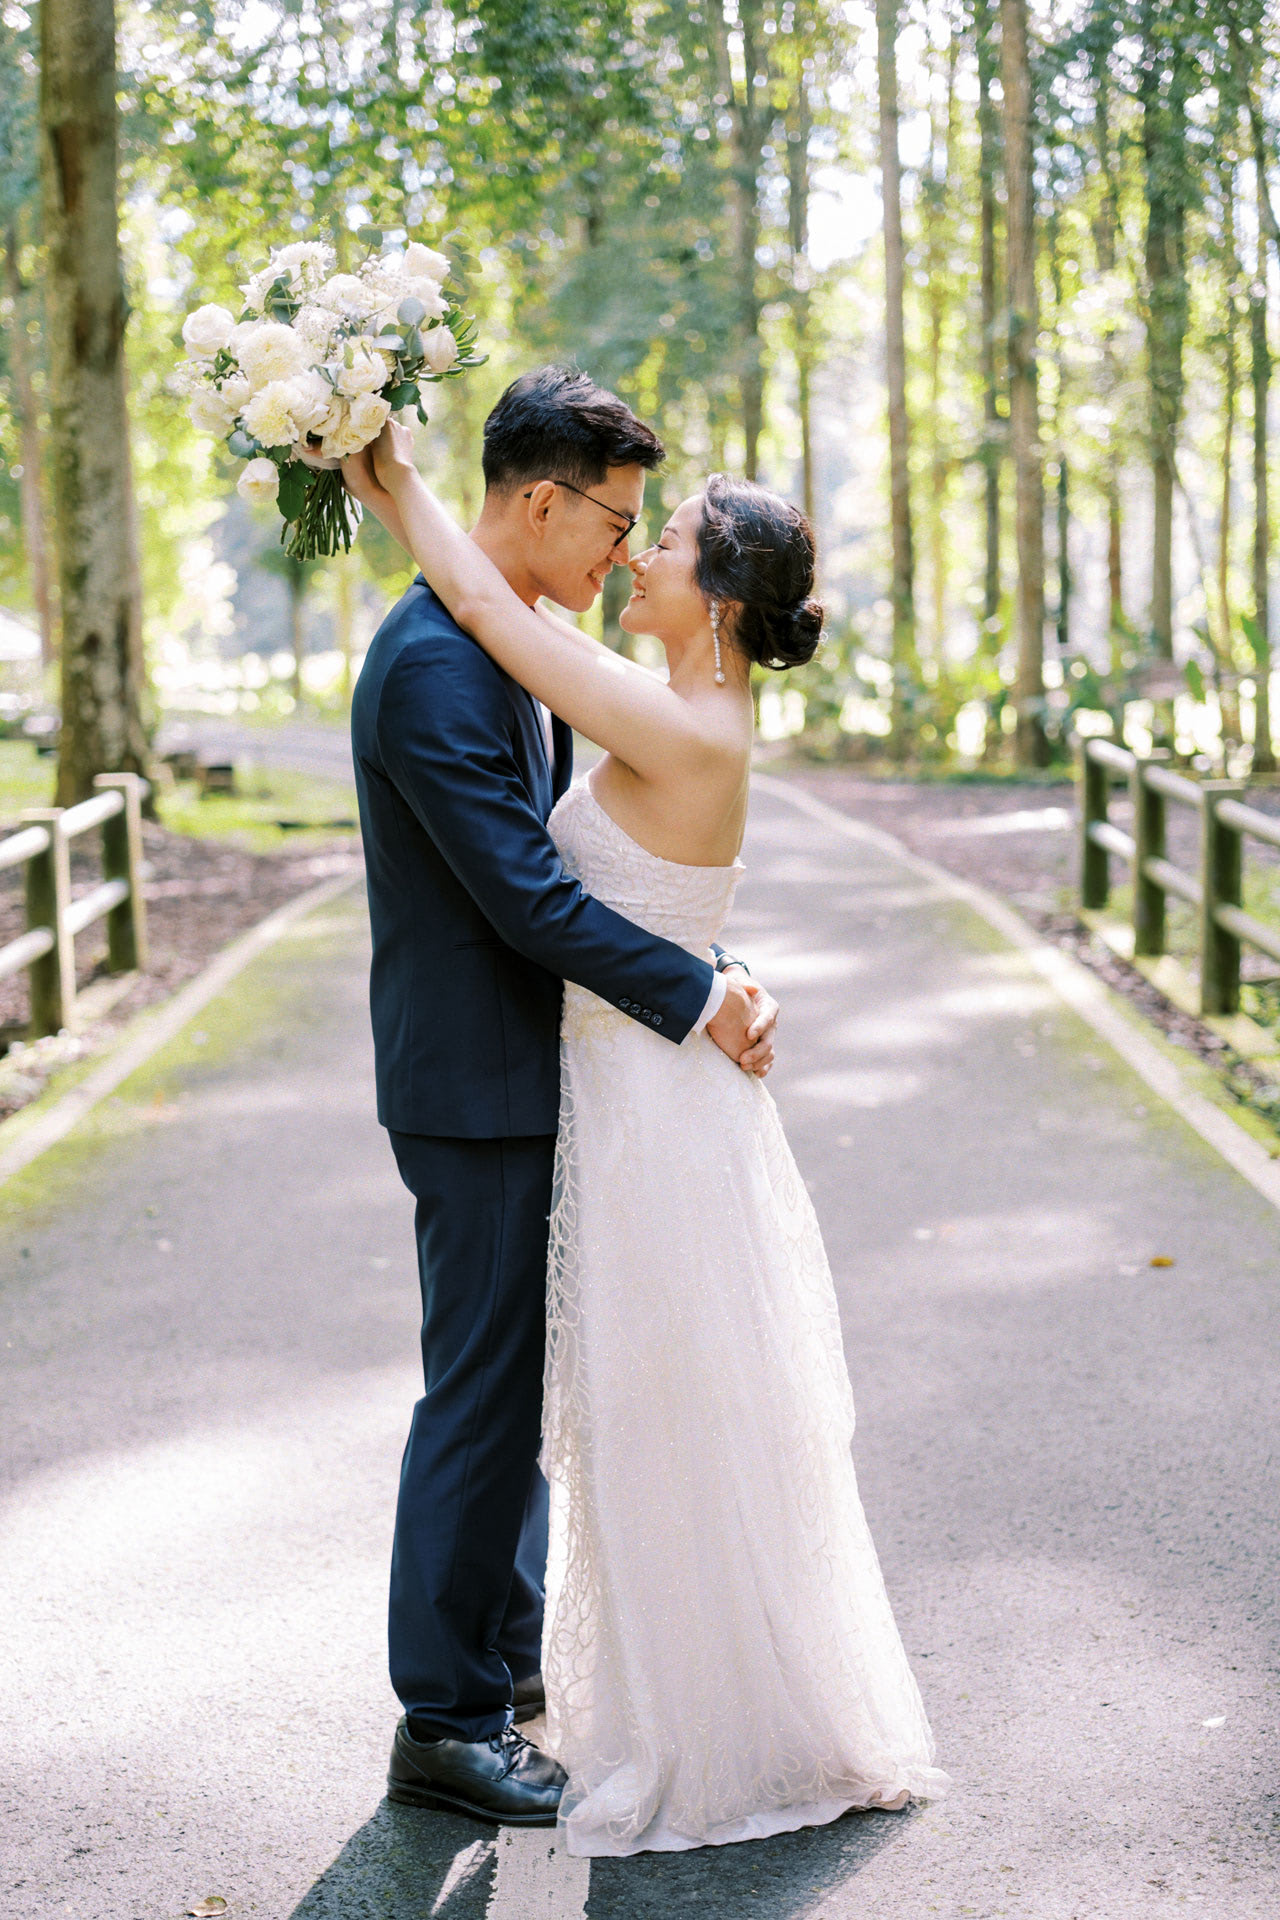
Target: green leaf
(243, 445)
(372, 236)
(422, 413)
(403, 394)
(295, 480)
(1194, 678)
(411, 312)
(1257, 639)
(413, 344)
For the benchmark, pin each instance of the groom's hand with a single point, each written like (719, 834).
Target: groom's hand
(738, 1018)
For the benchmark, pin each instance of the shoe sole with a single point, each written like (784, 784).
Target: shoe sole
(437, 1802)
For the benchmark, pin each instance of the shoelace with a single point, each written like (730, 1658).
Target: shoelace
(510, 1744)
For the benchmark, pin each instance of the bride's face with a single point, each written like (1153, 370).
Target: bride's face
(665, 600)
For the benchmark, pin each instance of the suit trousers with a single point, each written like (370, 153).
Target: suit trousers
(469, 1561)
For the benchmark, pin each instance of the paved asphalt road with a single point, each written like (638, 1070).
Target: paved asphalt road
(1067, 1454)
(307, 746)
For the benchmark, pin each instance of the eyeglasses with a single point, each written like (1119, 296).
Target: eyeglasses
(632, 519)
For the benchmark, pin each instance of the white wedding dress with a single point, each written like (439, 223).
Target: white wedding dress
(720, 1656)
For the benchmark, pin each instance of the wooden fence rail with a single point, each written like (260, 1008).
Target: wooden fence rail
(43, 846)
(1218, 890)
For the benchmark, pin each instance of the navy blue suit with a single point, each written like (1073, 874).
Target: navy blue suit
(475, 926)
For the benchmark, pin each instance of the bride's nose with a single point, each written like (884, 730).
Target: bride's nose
(639, 562)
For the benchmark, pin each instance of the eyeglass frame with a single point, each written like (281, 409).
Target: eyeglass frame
(632, 519)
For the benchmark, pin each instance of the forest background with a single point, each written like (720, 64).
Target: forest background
(988, 286)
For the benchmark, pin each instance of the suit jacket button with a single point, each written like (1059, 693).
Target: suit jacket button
(625, 1006)
(657, 1019)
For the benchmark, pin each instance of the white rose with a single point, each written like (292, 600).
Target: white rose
(269, 415)
(429, 294)
(259, 483)
(209, 412)
(345, 294)
(269, 351)
(206, 331)
(367, 372)
(368, 414)
(310, 398)
(235, 391)
(424, 263)
(439, 349)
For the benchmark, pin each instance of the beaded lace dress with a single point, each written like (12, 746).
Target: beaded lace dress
(720, 1656)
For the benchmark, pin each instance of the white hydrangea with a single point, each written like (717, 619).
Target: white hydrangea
(317, 328)
(310, 398)
(209, 412)
(268, 350)
(235, 391)
(259, 483)
(366, 372)
(206, 331)
(368, 415)
(439, 349)
(305, 259)
(269, 415)
(424, 263)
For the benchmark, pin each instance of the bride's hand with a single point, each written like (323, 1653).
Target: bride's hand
(758, 1057)
(392, 457)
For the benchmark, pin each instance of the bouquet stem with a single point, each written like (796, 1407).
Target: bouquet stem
(325, 520)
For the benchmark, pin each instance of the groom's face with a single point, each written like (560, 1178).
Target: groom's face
(577, 537)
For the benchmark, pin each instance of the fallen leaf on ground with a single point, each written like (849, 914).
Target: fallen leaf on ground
(211, 1904)
(1162, 1260)
(1219, 1720)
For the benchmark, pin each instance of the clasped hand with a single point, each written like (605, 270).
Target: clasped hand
(746, 1024)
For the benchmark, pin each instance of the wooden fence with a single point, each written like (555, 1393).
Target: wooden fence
(43, 845)
(1217, 892)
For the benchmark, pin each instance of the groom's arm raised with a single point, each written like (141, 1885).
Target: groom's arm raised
(444, 738)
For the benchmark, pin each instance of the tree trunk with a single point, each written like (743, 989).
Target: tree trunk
(902, 593)
(1104, 239)
(801, 306)
(1030, 743)
(1164, 134)
(89, 442)
(296, 582)
(942, 150)
(1228, 698)
(1260, 353)
(993, 426)
(30, 488)
(749, 120)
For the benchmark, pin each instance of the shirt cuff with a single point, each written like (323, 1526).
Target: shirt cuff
(715, 1000)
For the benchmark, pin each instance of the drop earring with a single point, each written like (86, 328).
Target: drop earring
(715, 640)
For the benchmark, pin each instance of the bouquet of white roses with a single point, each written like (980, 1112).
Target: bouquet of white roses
(313, 367)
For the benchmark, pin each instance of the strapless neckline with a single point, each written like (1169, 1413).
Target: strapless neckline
(681, 866)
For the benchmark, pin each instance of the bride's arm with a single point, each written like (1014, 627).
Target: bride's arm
(612, 700)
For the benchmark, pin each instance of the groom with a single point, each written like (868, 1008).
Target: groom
(475, 926)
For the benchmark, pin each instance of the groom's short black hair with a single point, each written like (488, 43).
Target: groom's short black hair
(557, 424)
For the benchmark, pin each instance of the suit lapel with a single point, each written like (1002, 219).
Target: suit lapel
(562, 771)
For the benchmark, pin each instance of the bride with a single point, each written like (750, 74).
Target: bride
(720, 1656)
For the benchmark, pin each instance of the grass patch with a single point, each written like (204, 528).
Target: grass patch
(273, 810)
(26, 780)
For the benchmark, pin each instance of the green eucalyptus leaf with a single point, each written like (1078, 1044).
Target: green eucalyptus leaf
(243, 445)
(411, 312)
(372, 236)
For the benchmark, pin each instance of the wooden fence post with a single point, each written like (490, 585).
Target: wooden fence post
(53, 975)
(122, 860)
(1095, 786)
(1148, 843)
(1221, 876)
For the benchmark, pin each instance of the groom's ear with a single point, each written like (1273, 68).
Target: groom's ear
(538, 499)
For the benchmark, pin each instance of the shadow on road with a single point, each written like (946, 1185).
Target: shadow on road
(401, 1863)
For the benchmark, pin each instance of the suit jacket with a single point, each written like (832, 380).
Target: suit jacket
(475, 922)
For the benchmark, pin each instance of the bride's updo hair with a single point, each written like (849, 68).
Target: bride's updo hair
(755, 549)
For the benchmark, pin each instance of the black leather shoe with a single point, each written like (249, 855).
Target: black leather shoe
(530, 1699)
(503, 1779)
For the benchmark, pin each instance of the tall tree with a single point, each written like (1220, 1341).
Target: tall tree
(98, 576)
(1030, 742)
(902, 591)
(993, 422)
(745, 85)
